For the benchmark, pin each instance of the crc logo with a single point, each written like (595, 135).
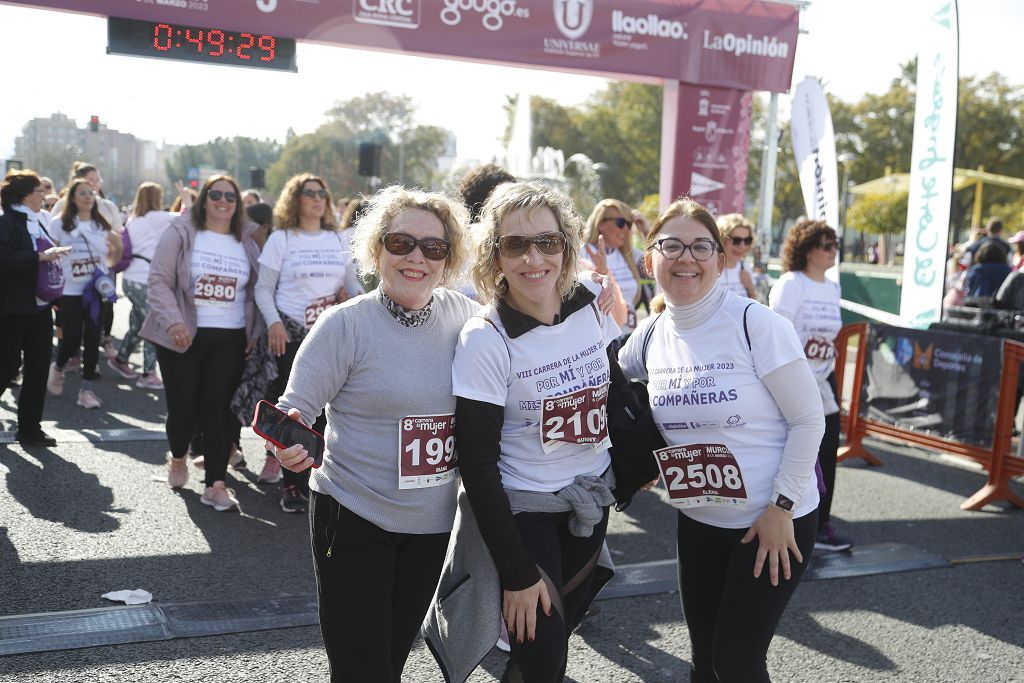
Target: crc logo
(573, 17)
(399, 13)
(494, 12)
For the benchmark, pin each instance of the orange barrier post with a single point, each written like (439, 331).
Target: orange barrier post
(852, 424)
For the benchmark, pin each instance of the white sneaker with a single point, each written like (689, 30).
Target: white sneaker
(88, 399)
(219, 497)
(55, 380)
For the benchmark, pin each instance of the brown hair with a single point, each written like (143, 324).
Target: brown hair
(149, 197)
(17, 185)
(199, 207)
(70, 211)
(286, 210)
(803, 237)
(684, 207)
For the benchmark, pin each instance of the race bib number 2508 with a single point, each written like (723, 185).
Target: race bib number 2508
(701, 474)
(426, 451)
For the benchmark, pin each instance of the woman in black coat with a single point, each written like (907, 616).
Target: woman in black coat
(26, 321)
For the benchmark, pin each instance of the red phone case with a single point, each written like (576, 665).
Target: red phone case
(274, 441)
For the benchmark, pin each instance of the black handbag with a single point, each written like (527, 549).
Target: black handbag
(632, 430)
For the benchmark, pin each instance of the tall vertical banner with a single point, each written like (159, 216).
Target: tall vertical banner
(814, 150)
(711, 146)
(931, 164)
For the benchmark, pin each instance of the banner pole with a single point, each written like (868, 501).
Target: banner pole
(771, 141)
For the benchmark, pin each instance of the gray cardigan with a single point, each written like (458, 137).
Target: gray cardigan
(171, 299)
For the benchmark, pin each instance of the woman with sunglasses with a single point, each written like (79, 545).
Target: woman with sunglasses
(737, 236)
(95, 245)
(203, 320)
(610, 251)
(809, 300)
(305, 268)
(383, 501)
(728, 387)
(531, 379)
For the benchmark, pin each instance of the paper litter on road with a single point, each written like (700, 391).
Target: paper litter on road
(133, 597)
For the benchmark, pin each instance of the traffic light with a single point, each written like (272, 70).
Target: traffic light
(94, 123)
(194, 184)
(257, 177)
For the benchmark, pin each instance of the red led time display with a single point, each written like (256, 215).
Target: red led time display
(210, 45)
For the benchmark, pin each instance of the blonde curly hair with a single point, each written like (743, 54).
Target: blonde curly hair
(286, 210)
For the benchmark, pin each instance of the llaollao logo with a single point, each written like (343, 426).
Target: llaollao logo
(573, 17)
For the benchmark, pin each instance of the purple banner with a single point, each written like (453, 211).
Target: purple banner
(741, 44)
(712, 142)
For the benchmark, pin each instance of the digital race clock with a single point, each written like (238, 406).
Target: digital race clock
(206, 44)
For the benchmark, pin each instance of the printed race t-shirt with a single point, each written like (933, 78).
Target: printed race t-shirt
(89, 249)
(730, 280)
(312, 268)
(619, 268)
(220, 272)
(553, 383)
(724, 431)
(813, 308)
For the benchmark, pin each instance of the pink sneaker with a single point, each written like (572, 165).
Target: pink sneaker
(177, 472)
(219, 497)
(150, 381)
(122, 369)
(88, 399)
(271, 473)
(55, 380)
(74, 364)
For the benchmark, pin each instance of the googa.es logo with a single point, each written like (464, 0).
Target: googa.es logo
(494, 11)
(399, 13)
(573, 17)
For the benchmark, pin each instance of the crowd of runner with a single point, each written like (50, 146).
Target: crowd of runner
(494, 334)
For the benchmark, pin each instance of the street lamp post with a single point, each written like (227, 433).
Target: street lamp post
(845, 158)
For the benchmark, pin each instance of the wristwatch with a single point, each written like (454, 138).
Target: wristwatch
(780, 501)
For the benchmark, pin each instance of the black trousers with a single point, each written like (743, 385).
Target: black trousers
(77, 327)
(732, 616)
(567, 565)
(26, 343)
(373, 588)
(199, 385)
(827, 453)
(284, 370)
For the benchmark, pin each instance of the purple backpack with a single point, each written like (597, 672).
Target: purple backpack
(50, 278)
(126, 254)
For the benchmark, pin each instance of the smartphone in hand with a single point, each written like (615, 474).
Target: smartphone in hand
(276, 427)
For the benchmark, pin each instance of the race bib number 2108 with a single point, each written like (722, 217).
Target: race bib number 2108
(580, 417)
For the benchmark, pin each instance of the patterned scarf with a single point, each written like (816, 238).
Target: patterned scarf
(403, 315)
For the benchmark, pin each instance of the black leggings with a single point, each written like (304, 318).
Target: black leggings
(26, 343)
(77, 327)
(199, 385)
(731, 616)
(284, 370)
(373, 590)
(567, 565)
(827, 453)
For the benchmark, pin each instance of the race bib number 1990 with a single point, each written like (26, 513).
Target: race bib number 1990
(426, 451)
(701, 474)
(577, 418)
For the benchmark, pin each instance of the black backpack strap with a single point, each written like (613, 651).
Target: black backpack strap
(503, 340)
(746, 333)
(647, 339)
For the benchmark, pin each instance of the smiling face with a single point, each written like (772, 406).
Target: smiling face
(614, 236)
(311, 208)
(84, 198)
(410, 279)
(219, 211)
(533, 277)
(737, 252)
(684, 280)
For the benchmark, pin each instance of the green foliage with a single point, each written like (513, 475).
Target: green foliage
(879, 214)
(237, 155)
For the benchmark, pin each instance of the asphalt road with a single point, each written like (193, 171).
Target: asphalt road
(90, 517)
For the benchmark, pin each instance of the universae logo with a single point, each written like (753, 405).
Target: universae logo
(573, 17)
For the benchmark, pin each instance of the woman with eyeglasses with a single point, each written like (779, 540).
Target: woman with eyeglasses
(737, 236)
(95, 245)
(204, 321)
(610, 251)
(305, 268)
(728, 383)
(531, 378)
(808, 299)
(383, 501)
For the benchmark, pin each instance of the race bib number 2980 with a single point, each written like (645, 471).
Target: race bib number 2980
(426, 451)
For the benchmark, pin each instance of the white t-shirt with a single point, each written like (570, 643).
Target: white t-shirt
(730, 280)
(220, 272)
(89, 249)
(813, 308)
(144, 233)
(706, 391)
(312, 268)
(545, 443)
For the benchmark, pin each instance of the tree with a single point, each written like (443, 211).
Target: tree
(879, 214)
(235, 155)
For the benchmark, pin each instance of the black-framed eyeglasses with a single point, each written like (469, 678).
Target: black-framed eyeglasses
(738, 241)
(620, 222)
(313, 194)
(548, 243)
(829, 245)
(673, 249)
(401, 244)
(217, 195)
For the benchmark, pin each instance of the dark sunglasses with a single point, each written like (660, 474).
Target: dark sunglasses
(737, 241)
(216, 195)
(313, 194)
(620, 222)
(828, 246)
(548, 243)
(400, 244)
